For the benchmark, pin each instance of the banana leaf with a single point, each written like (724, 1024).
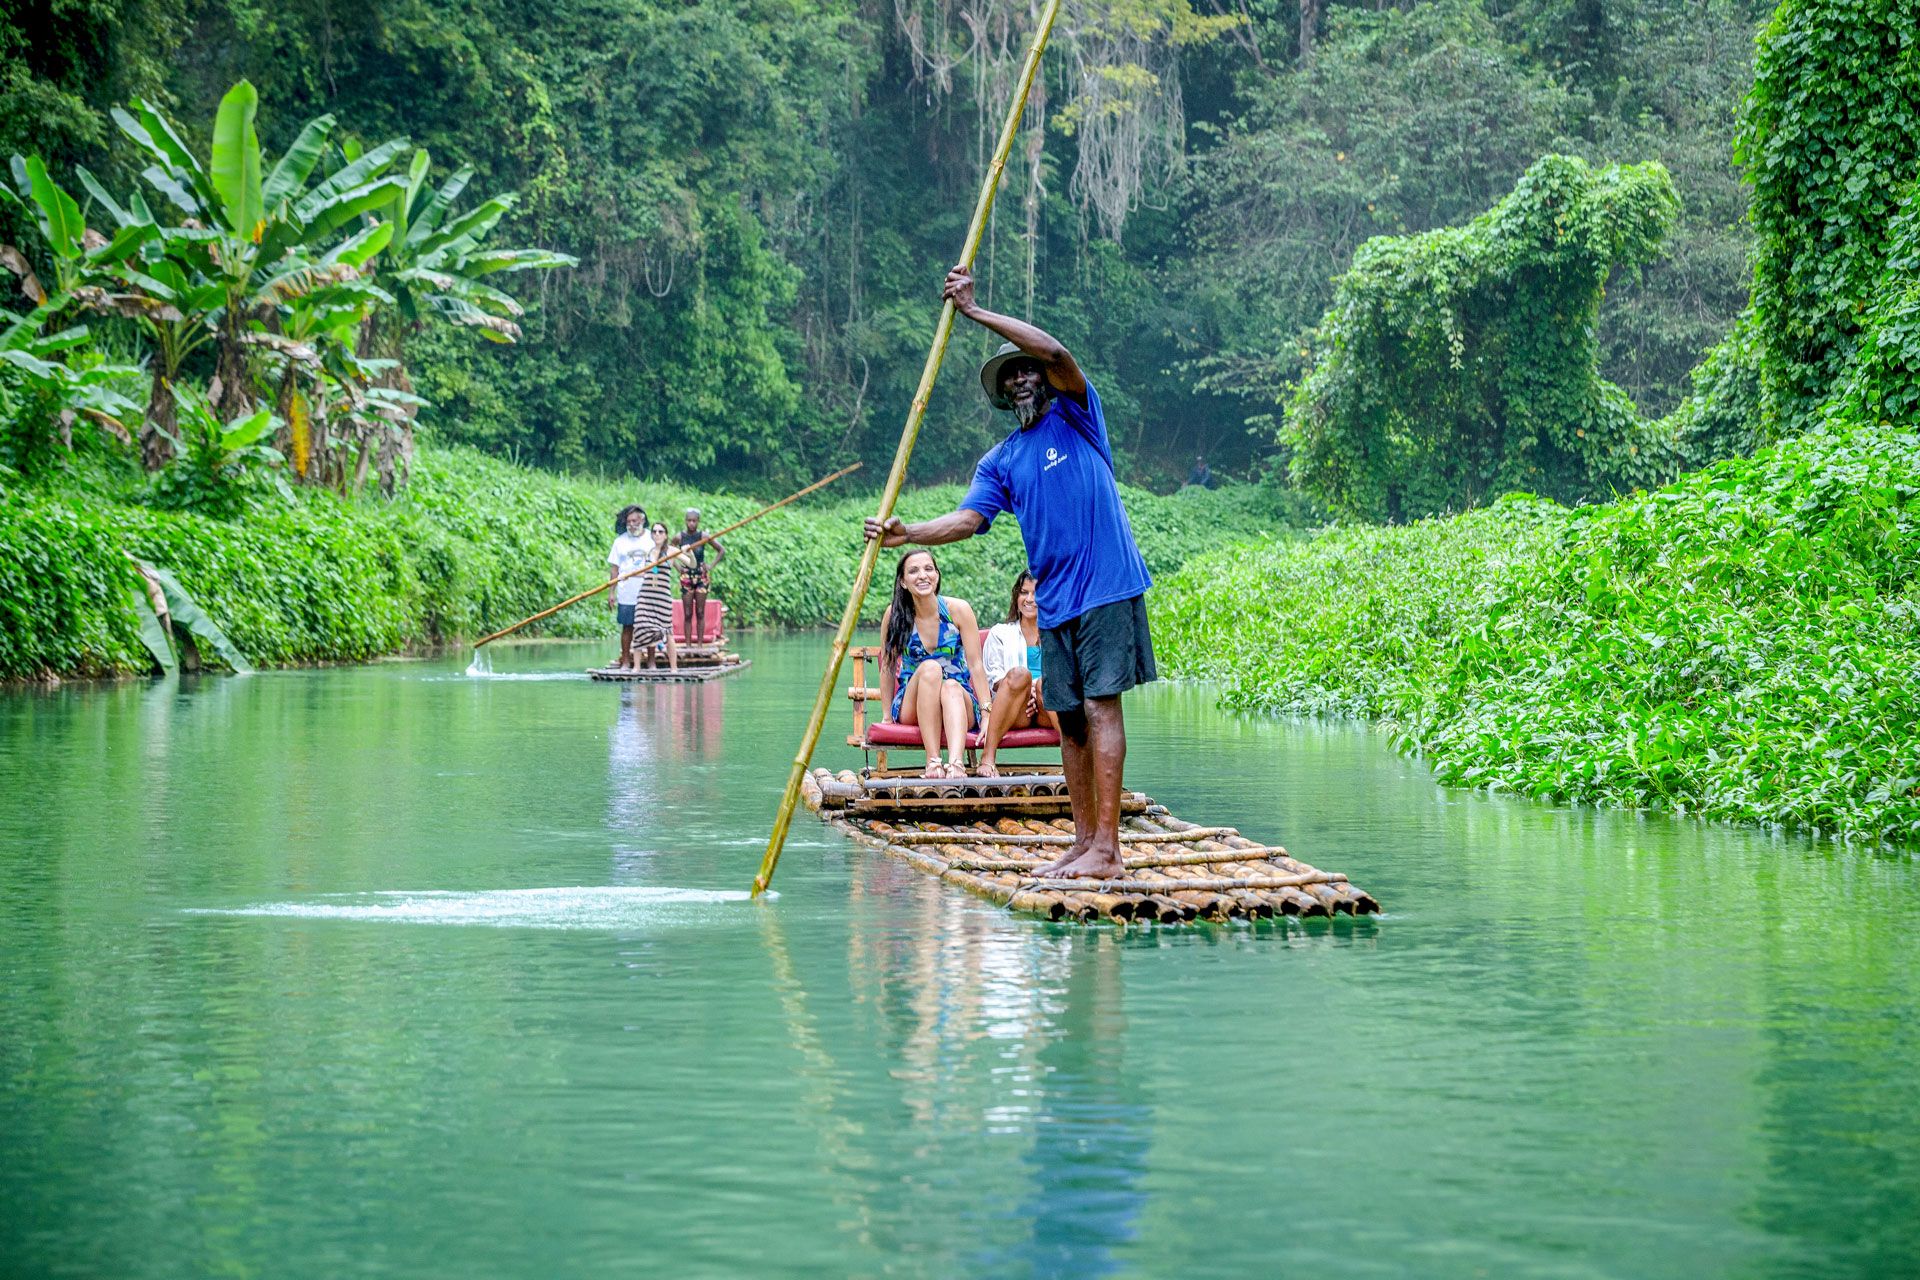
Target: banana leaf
(153, 633)
(186, 613)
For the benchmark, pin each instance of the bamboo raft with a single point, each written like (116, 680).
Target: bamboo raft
(687, 674)
(986, 836)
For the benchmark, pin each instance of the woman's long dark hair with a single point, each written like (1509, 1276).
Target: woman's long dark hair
(1013, 601)
(900, 620)
(620, 521)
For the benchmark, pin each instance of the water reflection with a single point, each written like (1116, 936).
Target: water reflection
(1008, 1034)
(659, 735)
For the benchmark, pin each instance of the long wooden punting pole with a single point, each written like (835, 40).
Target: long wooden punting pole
(596, 590)
(989, 186)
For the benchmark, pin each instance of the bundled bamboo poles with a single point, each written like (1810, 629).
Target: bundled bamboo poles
(989, 186)
(1176, 871)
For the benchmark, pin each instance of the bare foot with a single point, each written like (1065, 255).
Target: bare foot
(1094, 864)
(987, 769)
(934, 771)
(1067, 859)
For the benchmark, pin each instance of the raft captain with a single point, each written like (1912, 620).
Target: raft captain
(1055, 473)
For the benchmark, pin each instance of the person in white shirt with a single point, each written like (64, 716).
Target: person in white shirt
(631, 549)
(1011, 655)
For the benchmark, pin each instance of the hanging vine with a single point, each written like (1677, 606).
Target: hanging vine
(1119, 74)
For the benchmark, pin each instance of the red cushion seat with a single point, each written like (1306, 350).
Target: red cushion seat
(710, 628)
(889, 734)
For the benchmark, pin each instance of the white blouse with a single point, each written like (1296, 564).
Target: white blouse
(1004, 649)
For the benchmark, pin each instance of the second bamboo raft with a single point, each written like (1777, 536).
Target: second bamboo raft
(1176, 871)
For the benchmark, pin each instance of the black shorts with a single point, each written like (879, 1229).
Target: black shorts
(1100, 654)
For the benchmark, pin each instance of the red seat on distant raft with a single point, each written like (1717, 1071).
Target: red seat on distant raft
(887, 733)
(713, 612)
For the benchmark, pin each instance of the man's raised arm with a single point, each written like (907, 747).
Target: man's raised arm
(1062, 373)
(955, 526)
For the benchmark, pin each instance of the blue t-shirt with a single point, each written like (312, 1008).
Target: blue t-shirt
(1057, 478)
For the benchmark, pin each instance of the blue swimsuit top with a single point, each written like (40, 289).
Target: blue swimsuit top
(948, 652)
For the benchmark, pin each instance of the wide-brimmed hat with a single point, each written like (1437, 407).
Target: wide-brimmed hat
(990, 373)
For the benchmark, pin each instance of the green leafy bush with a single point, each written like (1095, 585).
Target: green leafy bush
(1460, 364)
(1741, 644)
(1832, 138)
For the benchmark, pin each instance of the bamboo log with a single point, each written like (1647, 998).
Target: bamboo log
(677, 551)
(1144, 837)
(1199, 858)
(890, 494)
(1198, 884)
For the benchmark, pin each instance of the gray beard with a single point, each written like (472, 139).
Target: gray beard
(1031, 411)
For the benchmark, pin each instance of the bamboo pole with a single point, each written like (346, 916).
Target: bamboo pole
(596, 590)
(896, 479)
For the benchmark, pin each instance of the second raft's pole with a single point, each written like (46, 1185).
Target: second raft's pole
(989, 186)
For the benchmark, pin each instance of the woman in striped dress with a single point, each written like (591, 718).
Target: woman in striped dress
(653, 612)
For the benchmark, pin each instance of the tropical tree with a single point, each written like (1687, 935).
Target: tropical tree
(257, 232)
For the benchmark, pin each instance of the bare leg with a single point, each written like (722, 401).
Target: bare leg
(626, 648)
(1009, 711)
(920, 706)
(1076, 760)
(673, 656)
(697, 622)
(687, 615)
(955, 710)
(1103, 761)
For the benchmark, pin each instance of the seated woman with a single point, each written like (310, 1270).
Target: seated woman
(1011, 656)
(653, 610)
(936, 642)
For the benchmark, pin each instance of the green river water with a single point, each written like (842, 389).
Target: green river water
(385, 971)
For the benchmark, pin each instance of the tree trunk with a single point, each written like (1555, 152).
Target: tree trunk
(233, 373)
(1309, 21)
(156, 449)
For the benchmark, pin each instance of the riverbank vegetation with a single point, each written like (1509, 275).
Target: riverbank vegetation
(472, 544)
(1740, 643)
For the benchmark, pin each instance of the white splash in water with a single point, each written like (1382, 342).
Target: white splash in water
(482, 664)
(610, 907)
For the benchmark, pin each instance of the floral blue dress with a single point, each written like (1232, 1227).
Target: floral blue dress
(949, 653)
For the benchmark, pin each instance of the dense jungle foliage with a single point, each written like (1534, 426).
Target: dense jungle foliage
(473, 544)
(1742, 643)
(762, 193)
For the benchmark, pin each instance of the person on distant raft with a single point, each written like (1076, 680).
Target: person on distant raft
(695, 581)
(1055, 473)
(653, 608)
(631, 546)
(1011, 655)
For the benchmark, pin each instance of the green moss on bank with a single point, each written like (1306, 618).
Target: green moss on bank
(473, 545)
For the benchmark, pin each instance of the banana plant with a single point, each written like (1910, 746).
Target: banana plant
(220, 462)
(41, 392)
(83, 261)
(313, 346)
(437, 263)
(265, 234)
